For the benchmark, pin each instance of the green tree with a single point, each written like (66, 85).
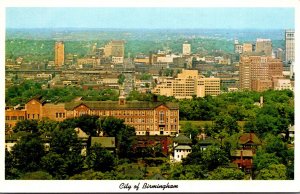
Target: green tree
(222, 173)
(55, 165)
(27, 153)
(273, 172)
(124, 135)
(27, 125)
(99, 159)
(37, 175)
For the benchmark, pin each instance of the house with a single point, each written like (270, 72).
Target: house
(249, 141)
(83, 138)
(205, 142)
(108, 143)
(243, 157)
(182, 147)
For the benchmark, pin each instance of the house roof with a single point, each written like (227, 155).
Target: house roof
(106, 142)
(183, 147)
(96, 105)
(81, 134)
(182, 139)
(249, 138)
(238, 153)
(207, 141)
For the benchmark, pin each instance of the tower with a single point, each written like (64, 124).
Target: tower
(59, 53)
(289, 46)
(186, 48)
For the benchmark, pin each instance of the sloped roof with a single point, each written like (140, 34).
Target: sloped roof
(81, 134)
(182, 139)
(207, 141)
(248, 138)
(183, 147)
(96, 105)
(245, 153)
(106, 142)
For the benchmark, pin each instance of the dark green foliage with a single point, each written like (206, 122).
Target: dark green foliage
(27, 153)
(273, 172)
(88, 123)
(211, 158)
(55, 165)
(99, 159)
(121, 79)
(124, 135)
(226, 174)
(38, 175)
(26, 125)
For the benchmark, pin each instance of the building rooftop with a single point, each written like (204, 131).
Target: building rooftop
(249, 138)
(96, 105)
(106, 142)
(239, 153)
(183, 147)
(182, 139)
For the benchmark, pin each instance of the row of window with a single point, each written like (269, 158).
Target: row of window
(183, 151)
(14, 118)
(60, 115)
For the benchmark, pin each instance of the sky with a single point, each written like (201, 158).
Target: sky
(160, 18)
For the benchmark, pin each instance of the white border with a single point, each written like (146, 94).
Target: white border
(113, 186)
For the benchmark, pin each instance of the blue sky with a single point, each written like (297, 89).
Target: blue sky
(176, 18)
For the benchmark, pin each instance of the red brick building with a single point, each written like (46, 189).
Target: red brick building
(148, 118)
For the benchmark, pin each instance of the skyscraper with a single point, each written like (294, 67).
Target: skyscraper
(59, 53)
(264, 45)
(256, 72)
(289, 46)
(186, 48)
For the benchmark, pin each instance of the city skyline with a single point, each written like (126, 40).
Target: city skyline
(151, 18)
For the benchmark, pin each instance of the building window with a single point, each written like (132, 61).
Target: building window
(21, 117)
(32, 116)
(28, 116)
(56, 115)
(161, 117)
(7, 118)
(14, 118)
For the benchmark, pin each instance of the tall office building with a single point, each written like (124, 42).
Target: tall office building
(289, 46)
(264, 45)
(247, 48)
(114, 48)
(59, 53)
(257, 72)
(186, 48)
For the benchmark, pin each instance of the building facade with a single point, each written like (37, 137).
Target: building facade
(59, 53)
(264, 46)
(289, 46)
(186, 49)
(188, 84)
(148, 118)
(256, 72)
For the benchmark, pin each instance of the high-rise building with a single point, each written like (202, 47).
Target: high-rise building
(247, 48)
(264, 46)
(186, 48)
(289, 46)
(115, 49)
(238, 48)
(59, 53)
(256, 72)
(188, 84)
